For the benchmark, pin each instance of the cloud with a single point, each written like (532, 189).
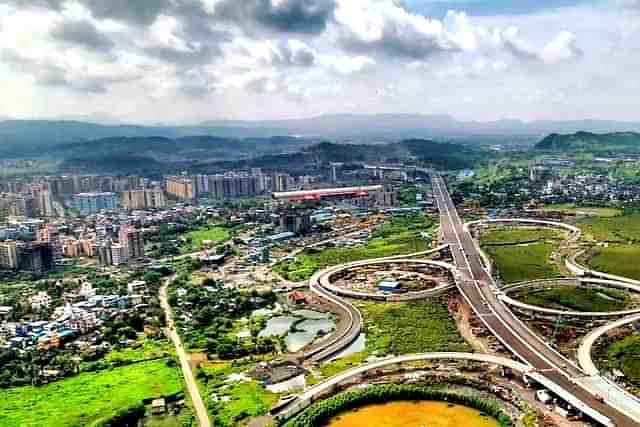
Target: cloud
(82, 33)
(77, 77)
(139, 12)
(171, 40)
(562, 48)
(344, 64)
(387, 28)
(289, 16)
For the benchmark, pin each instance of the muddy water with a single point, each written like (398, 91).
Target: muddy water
(413, 414)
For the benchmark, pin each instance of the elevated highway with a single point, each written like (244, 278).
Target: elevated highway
(479, 290)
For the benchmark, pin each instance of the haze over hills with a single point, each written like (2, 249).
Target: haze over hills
(338, 127)
(606, 143)
(407, 125)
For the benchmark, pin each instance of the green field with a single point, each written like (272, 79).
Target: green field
(215, 234)
(397, 236)
(616, 259)
(89, 397)
(623, 354)
(403, 328)
(244, 400)
(578, 299)
(522, 254)
(515, 236)
(588, 210)
(618, 229)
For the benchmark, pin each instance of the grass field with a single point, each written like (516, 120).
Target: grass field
(403, 328)
(515, 236)
(522, 253)
(578, 299)
(618, 229)
(400, 235)
(88, 397)
(572, 209)
(244, 400)
(615, 259)
(215, 234)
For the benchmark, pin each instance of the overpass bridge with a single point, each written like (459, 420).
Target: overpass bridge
(588, 394)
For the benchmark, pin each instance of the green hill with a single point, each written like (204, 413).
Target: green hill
(586, 142)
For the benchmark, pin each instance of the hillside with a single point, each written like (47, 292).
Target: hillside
(586, 142)
(211, 155)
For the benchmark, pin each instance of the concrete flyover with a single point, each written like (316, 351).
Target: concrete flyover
(312, 394)
(587, 393)
(579, 270)
(346, 310)
(569, 282)
(326, 280)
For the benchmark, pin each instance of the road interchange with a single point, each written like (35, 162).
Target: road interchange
(479, 290)
(595, 396)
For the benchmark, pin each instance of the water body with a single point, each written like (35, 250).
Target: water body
(308, 331)
(413, 414)
(355, 347)
(278, 325)
(290, 385)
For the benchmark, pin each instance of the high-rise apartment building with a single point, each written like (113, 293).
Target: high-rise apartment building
(89, 203)
(8, 255)
(133, 241)
(143, 199)
(181, 187)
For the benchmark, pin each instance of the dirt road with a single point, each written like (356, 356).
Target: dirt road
(198, 404)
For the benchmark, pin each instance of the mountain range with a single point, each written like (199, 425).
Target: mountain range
(18, 134)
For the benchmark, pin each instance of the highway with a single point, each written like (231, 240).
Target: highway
(478, 288)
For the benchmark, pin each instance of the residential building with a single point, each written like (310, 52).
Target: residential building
(143, 199)
(8, 255)
(118, 254)
(36, 257)
(133, 242)
(181, 187)
(89, 203)
(39, 301)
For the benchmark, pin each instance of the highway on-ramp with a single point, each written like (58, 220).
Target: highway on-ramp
(478, 289)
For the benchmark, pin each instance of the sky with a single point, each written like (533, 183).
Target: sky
(188, 61)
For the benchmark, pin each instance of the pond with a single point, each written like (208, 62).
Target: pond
(424, 413)
(307, 331)
(278, 325)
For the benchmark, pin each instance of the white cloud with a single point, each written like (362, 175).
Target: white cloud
(562, 48)
(182, 53)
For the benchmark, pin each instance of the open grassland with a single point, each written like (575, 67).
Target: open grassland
(522, 253)
(578, 299)
(396, 236)
(515, 236)
(617, 229)
(582, 210)
(615, 259)
(233, 403)
(88, 398)
(403, 328)
(214, 234)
